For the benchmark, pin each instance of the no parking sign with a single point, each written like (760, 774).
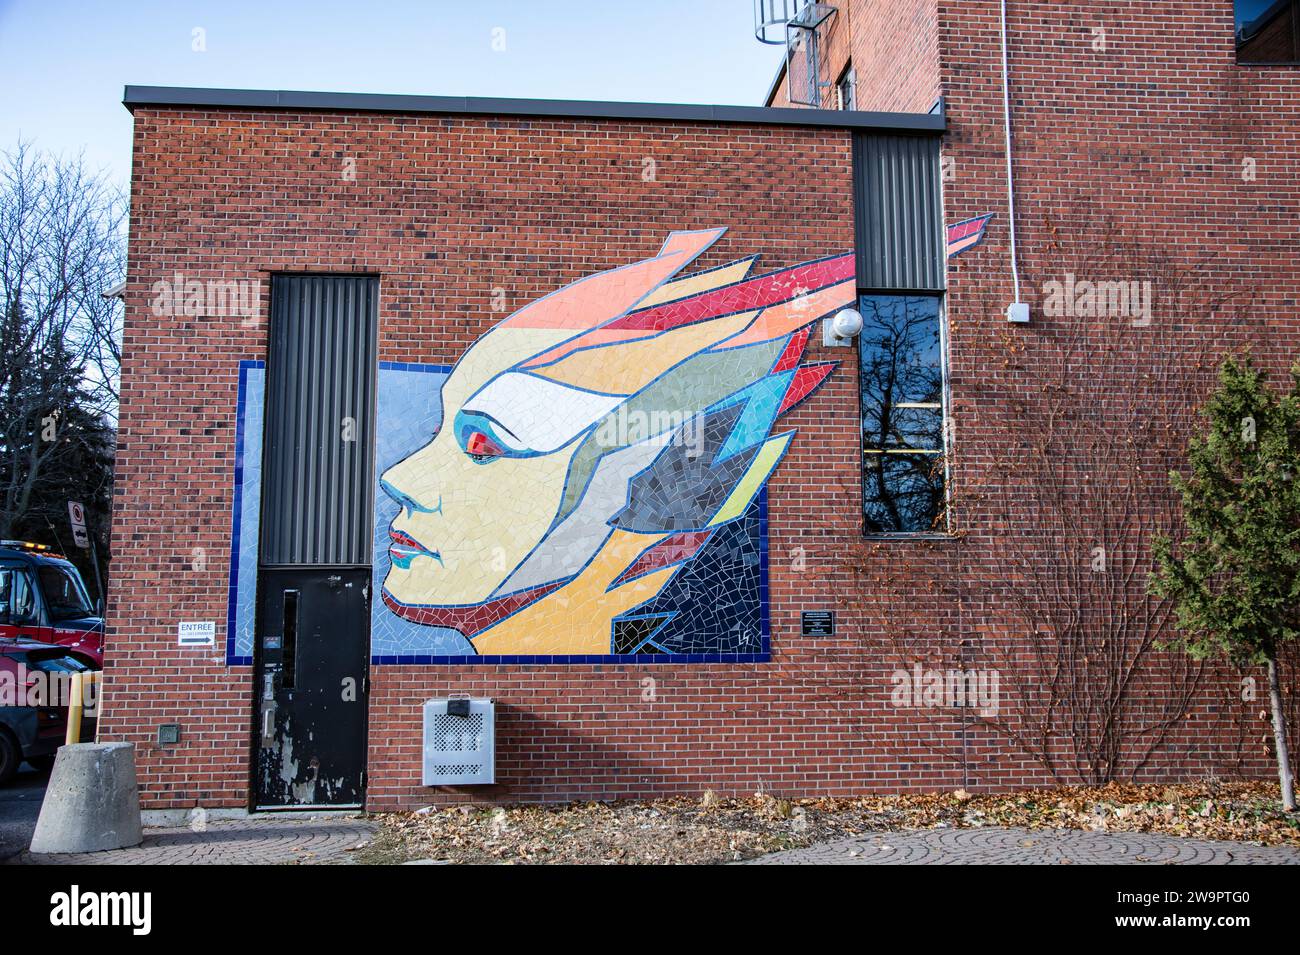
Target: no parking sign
(77, 515)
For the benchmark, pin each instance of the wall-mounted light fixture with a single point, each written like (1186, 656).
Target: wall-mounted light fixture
(840, 329)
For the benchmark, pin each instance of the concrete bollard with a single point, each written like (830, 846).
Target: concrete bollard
(92, 802)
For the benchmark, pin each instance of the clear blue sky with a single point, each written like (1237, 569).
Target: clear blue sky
(63, 63)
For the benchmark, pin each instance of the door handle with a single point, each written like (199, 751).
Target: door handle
(268, 724)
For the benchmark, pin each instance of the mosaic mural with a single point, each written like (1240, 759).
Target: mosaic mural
(594, 485)
(587, 482)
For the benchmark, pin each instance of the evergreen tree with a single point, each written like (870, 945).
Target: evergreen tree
(1235, 575)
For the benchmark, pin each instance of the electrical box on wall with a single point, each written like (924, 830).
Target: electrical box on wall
(459, 742)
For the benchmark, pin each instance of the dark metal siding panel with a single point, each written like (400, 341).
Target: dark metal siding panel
(317, 484)
(897, 209)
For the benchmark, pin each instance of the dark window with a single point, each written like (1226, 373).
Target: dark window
(846, 90)
(1267, 31)
(64, 596)
(900, 355)
(17, 602)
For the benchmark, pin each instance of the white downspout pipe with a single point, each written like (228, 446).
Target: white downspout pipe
(1018, 311)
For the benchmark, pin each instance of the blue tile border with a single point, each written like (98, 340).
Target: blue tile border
(232, 658)
(639, 659)
(414, 366)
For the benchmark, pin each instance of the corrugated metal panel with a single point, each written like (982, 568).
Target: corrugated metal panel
(899, 218)
(317, 469)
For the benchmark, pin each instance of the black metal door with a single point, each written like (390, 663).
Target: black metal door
(313, 655)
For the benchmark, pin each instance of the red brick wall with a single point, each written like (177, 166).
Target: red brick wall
(895, 54)
(1133, 125)
(893, 45)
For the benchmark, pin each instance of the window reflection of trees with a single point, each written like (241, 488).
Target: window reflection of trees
(1267, 31)
(902, 410)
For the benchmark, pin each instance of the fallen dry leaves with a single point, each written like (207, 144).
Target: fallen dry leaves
(714, 829)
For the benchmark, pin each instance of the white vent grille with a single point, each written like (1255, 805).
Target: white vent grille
(459, 750)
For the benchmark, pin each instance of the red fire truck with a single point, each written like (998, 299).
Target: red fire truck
(42, 598)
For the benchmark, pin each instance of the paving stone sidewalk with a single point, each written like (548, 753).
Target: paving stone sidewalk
(266, 840)
(997, 846)
(275, 840)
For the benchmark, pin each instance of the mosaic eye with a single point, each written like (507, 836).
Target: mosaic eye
(481, 448)
(484, 439)
(528, 415)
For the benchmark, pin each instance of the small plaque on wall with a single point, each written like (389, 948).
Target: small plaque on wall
(819, 623)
